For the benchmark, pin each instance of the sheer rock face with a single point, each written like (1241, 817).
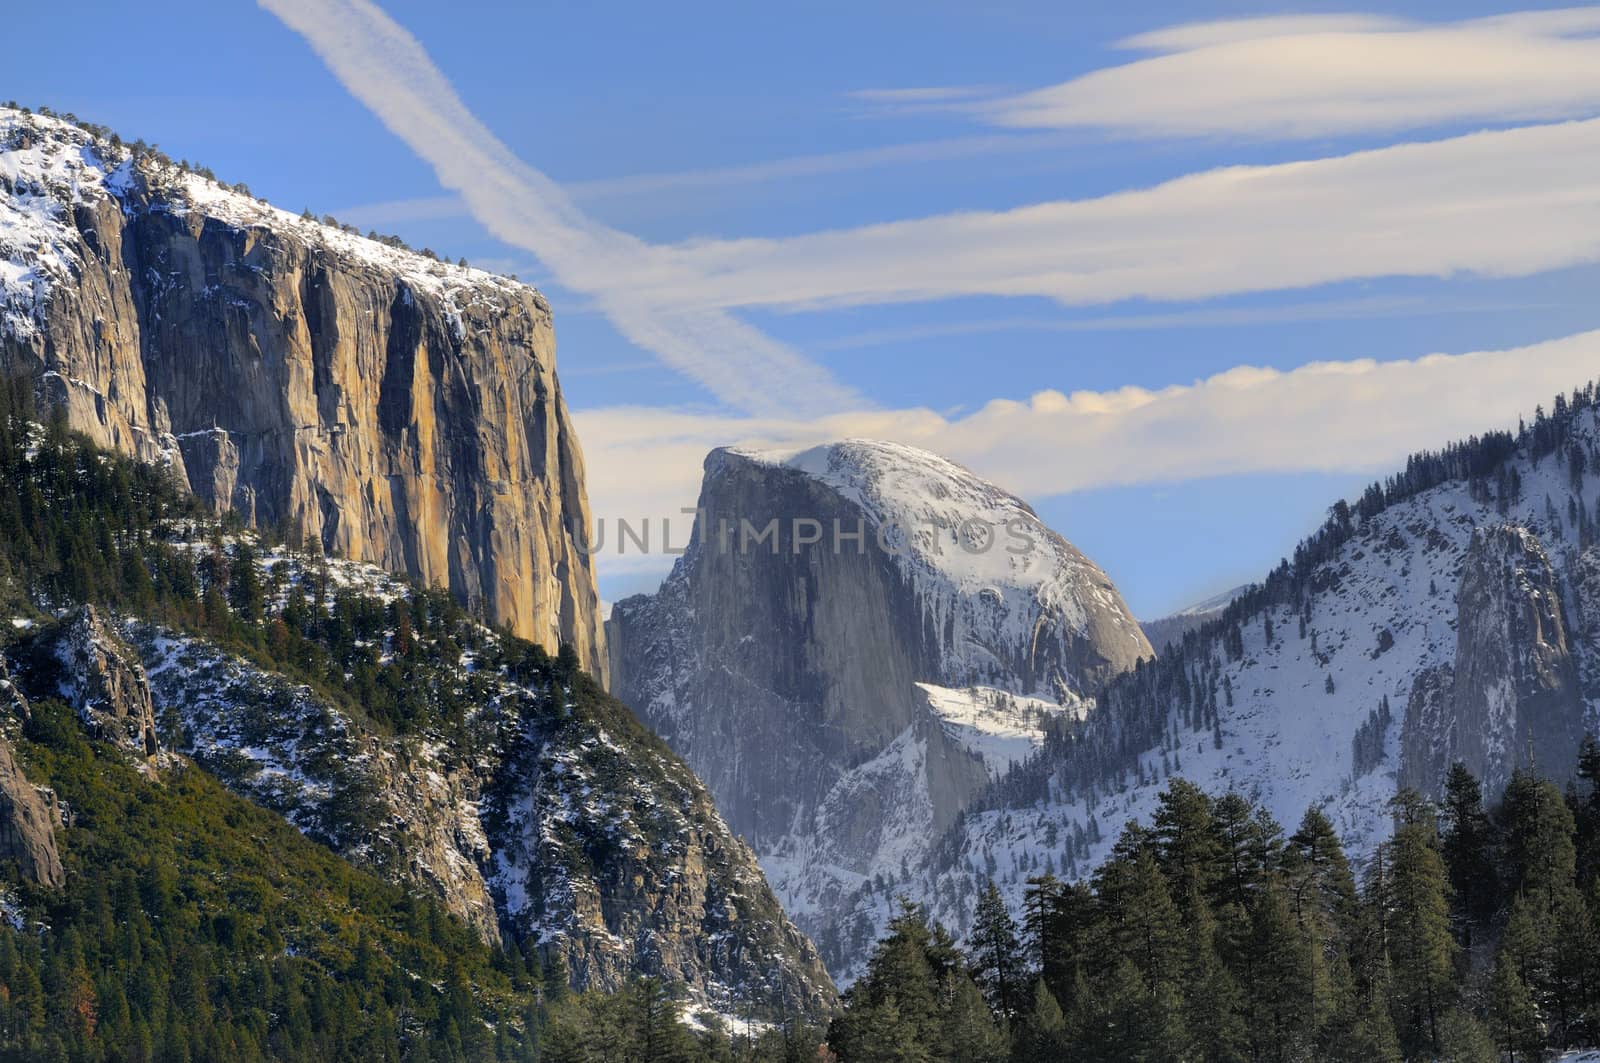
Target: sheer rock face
(27, 825)
(1427, 731)
(1512, 699)
(576, 831)
(768, 672)
(1516, 696)
(28, 814)
(803, 680)
(775, 665)
(401, 411)
(104, 680)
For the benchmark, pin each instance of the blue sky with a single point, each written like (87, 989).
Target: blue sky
(694, 153)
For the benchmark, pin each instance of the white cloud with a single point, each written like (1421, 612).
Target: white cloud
(1502, 203)
(651, 186)
(387, 69)
(921, 94)
(1330, 416)
(1372, 306)
(1316, 75)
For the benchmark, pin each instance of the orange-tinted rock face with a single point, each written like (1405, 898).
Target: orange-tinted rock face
(398, 410)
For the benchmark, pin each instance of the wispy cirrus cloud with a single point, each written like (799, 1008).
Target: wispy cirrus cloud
(384, 66)
(918, 99)
(1316, 75)
(714, 178)
(922, 94)
(1374, 306)
(1502, 203)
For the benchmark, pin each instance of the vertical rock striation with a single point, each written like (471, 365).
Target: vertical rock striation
(104, 680)
(1512, 699)
(27, 825)
(858, 639)
(1516, 697)
(28, 815)
(399, 410)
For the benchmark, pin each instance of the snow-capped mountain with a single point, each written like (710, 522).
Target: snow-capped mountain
(1452, 613)
(395, 408)
(1171, 628)
(861, 638)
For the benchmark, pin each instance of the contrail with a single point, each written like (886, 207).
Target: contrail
(387, 69)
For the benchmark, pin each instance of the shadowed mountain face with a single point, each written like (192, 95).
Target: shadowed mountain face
(846, 686)
(1448, 614)
(404, 414)
(393, 408)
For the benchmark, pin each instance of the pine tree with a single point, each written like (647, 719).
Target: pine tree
(1043, 1036)
(1212, 1003)
(1247, 844)
(1322, 894)
(1586, 812)
(1121, 1018)
(969, 1030)
(1466, 1040)
(1422, 950)
(1279, 980)
(894, 1012)
(996, 953)
(1512, 1013)
(1186, 837)
(1041, 908)
(1574, 957)
(1540, 856)
(654, 1026)
(1145, 928)
(1468, 845)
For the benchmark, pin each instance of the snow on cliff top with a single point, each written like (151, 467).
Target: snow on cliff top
(48, 165)
(941, 519)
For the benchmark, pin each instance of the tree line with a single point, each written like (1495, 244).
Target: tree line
(1209, 935)
(1139, 708)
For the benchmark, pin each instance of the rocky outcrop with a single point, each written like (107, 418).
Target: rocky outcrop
(1516, 701)
(783, 656)
(28, 815)
(103, 679)
(1427, 732)
(27, 825)
(1584, 580)
(544, 815)
(1513, 697)
(396, 409)
(773, 665)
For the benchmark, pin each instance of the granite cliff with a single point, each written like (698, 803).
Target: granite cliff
(859, 640)
(395, 409)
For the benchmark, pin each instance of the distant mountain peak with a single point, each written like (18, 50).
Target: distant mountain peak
(845, 701)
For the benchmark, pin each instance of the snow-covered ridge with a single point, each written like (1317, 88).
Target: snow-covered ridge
(1003, 728)
(938, 514)
(980, 562)
(1171, 628)
(847, 702)
(1278, 718)
(48, 166)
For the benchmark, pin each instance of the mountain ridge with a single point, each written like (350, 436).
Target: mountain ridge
(381, 720)
(388, 406)
(1313, 687)
(845, 698)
